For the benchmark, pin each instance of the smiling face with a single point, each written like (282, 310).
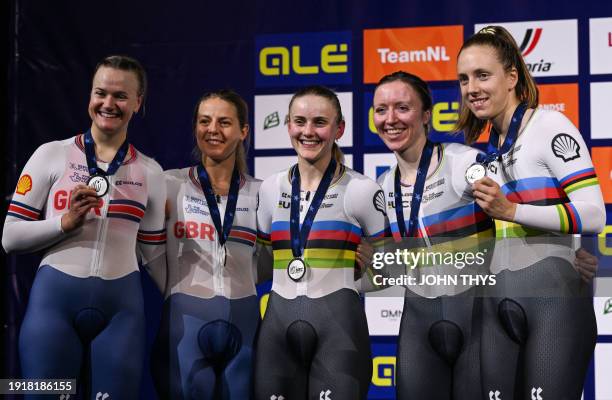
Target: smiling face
(114, 99)
(487, 89)
(218, 132)
(313, 127)
(399, 116)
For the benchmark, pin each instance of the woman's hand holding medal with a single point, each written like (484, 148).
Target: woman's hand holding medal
(82, 199)
(492, 200)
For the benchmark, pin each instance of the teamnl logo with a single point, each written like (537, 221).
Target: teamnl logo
(303, 58)
(550, 48)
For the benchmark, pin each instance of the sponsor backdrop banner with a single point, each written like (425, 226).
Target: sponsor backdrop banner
(430, 52)
(266, 51)
(550, 48)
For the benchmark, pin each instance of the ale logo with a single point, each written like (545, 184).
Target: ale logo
(445, 116)
(608, 307)
(271, 120)
(383, 371)
(303, 58)
(278, 60)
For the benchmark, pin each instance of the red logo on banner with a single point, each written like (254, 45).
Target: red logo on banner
(530, 40)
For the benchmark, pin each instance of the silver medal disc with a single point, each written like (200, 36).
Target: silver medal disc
(296, 269)
(99, 183)
(475, 172)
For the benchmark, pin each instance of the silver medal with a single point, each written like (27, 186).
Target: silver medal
(99, 183)
(296, 269)
(475, 172)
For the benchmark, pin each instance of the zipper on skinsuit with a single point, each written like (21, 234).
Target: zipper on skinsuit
(102, 228)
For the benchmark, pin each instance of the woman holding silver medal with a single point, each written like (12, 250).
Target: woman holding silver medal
(540, 180)
(85, 308)
(313, 342)
(205, 344)
(430, 206)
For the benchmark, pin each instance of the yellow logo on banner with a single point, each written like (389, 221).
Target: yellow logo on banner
(604, 249)
(371, 125)
(24, 185)
(263, 304)
(274, 61)
(442, 119)
(383, 371)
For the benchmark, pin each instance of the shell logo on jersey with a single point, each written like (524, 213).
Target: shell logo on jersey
(600, 45)
(550, 48)
(24, 185)
(444, 116)
(303, 58)
(429, 52)
(602, 161)
(601, 93)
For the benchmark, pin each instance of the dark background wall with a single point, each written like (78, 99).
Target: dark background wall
(188, 48)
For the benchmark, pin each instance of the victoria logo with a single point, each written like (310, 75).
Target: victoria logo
(528, 44)
(530, 41)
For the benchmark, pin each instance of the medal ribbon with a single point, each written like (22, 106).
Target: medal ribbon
(300, 236)
(493, 153)
(417, 193)
(90, 154)
(232, 199)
